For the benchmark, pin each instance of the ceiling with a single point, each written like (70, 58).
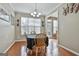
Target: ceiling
(44, 8)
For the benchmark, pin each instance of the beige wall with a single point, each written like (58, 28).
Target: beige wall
(69, 30)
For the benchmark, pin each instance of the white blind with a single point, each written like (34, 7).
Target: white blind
(30, 25)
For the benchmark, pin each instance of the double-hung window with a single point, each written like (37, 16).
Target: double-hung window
(30, 25)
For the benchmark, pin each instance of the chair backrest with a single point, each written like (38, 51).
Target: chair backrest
(40, 39)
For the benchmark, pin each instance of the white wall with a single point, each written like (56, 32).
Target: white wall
(69, 30)
(7, 8)
(50, 28)
(6, 35)
(6, 29)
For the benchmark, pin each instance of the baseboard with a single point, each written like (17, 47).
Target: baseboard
(13, 44)
(19, 40)
(9, 47)
(69, 50)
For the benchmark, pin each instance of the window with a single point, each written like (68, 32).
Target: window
(30, 25)
(49, 28)
(4, 17)
(55, 26)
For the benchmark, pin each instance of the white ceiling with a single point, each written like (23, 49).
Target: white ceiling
(44, 8)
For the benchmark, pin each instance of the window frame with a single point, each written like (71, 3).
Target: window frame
(28, 26)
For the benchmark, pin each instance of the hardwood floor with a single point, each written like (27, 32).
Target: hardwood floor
(52, 50)
(64, 52)
(15, 50)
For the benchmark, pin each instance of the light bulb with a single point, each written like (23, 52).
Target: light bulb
(31, 13)
(49, 20)
(39, 13)
(35, 12)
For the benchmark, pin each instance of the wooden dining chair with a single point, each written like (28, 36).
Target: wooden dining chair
(40, 43)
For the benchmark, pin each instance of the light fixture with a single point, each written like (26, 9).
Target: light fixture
(49, 20)
(35, 13)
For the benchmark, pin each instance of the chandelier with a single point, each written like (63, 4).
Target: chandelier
(35, 13)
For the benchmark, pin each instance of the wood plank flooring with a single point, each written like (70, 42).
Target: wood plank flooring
(64, 52)
(15, 50)
(52, 49)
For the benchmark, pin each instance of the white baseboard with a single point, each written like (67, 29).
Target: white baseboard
(69, 50)
(9, 47)
(13, 44)
(19, 40)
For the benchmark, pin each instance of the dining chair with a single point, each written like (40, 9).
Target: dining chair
(40, 43)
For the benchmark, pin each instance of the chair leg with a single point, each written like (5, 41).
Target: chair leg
(36, 51)
(44, 50)
(30, 52)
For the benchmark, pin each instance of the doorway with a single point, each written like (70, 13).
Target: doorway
(52, 32)
(52, 25)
